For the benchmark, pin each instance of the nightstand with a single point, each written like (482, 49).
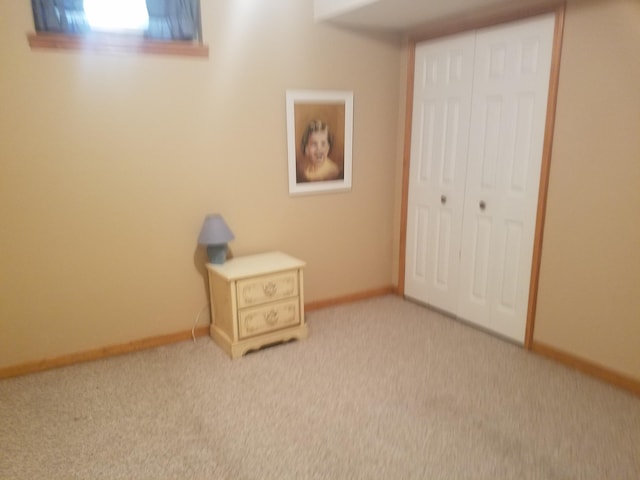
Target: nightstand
(257, 300)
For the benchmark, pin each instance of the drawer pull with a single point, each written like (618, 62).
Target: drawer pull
(271, 318)
(270, 289)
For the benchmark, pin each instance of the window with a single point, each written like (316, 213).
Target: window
(117, 15)
(151, 26)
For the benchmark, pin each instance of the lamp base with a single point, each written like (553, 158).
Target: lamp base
(217, 253)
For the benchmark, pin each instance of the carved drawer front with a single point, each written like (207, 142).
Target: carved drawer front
(255, 291)
(263, 319)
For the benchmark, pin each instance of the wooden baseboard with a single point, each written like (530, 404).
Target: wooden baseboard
(585, 366)
(630, 384)
(98, 353)
(331, 302)
(152, 342)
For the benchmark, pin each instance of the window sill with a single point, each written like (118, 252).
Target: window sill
(116, 44)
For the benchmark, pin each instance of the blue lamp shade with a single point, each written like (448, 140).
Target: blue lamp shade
(215, 234)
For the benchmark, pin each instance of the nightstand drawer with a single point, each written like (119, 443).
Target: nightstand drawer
(254, 321)
(258, 290)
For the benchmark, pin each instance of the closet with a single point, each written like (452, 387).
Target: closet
(477, 134)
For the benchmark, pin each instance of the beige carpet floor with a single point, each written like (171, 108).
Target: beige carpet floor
(381, 389)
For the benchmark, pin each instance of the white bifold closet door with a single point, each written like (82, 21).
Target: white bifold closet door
(437, 170)
(479, 113)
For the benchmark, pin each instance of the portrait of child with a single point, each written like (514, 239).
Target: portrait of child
(319, 135)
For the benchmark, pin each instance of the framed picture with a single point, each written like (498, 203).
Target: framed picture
(319, 136)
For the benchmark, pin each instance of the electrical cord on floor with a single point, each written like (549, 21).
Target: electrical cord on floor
(193, 330)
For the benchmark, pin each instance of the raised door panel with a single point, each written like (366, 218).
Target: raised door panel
(441, 112)
(511, 81)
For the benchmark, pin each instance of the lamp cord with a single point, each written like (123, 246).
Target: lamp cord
(193, 330)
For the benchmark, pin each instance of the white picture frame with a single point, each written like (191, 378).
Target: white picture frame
(309, 114)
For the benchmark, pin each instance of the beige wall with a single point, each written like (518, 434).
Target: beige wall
(589, 294)
(109, 163)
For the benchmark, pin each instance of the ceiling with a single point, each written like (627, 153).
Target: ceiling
(403, 16)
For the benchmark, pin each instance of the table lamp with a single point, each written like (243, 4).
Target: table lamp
(215, 234)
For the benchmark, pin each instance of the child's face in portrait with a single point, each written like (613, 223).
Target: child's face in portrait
(318, 146)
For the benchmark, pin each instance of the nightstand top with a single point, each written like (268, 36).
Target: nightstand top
(252, 265)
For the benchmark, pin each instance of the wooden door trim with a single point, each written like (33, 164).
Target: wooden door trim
(543, 191)
(408, 126)
(558, 8)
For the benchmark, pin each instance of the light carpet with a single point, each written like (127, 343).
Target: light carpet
(381, 389)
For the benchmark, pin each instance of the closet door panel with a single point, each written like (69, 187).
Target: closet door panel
(440, 125)
(509, 105)
(481, 261)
